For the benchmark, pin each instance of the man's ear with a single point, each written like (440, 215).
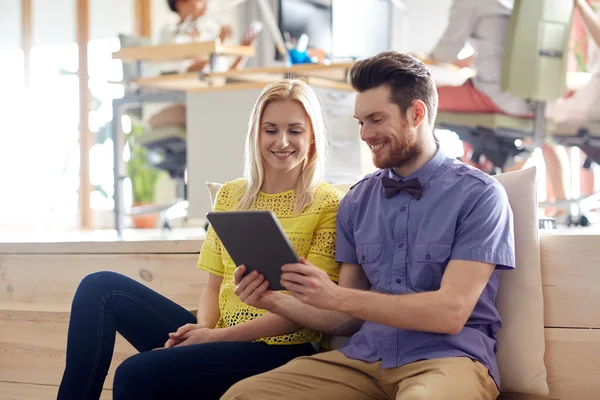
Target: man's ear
(417, 113)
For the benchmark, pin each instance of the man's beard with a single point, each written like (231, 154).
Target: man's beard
(401, 152)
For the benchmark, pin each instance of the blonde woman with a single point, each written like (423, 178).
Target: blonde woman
(201, 357)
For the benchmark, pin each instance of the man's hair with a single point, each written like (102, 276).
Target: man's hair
(408, 79)
(172, 5)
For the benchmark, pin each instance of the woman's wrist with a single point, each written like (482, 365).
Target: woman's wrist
(229, 334)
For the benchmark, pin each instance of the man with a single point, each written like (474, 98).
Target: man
(420, 242)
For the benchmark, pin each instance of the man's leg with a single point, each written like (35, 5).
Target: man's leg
(329, 375)
(458, 378)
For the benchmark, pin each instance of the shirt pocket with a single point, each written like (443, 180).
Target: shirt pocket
(368, 257)
(428, 264)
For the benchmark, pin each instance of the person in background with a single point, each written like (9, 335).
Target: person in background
(200, 357)
(191, 26)
(483, 24)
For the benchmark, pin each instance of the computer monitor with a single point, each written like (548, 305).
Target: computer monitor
(310, 17)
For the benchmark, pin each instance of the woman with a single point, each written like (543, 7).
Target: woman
(229, 340)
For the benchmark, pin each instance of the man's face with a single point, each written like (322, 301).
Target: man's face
(194, 8)
(385, 130)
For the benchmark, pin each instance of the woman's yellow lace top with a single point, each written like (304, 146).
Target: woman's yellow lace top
(312, 234)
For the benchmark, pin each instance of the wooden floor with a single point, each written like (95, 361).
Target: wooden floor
(20, 391)
(38, 280)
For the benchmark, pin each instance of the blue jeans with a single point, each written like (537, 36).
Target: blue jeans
(107, 302)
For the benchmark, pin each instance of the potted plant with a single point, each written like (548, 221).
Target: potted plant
(143, 180)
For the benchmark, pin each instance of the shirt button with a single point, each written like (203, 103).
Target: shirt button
(398, 280)
(400, 245)
(363, 258)
(402, 209)
(428, 256)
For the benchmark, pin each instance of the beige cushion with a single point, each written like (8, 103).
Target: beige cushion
(213, 189)
(520, 300)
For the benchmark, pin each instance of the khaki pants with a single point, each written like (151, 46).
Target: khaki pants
(332, 376)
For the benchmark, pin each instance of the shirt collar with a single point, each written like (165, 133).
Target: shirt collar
(424, 173)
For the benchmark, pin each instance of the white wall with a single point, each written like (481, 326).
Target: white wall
(106, 23)
(419, 27)
(361, 28)
(10, 24)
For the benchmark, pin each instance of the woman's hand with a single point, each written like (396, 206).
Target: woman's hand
(181, 334)
(252, 289)
(198, 336)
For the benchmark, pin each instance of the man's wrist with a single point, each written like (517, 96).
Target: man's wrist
(344, 300)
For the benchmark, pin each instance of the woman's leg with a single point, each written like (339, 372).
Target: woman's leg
(106, 303)
(201, 371)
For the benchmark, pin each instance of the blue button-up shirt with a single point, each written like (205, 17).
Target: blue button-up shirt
(404, 246)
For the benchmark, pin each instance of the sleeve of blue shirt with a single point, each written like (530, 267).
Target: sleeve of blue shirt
(485, 233)
(345, 246)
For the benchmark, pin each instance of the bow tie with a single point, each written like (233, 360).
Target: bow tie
(392, 187)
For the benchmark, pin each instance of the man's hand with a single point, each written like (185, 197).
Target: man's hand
(311, 285)
(252, 289)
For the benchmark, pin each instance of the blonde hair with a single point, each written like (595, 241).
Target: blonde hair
(314, 166)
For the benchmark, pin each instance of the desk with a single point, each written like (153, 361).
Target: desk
(180, 51)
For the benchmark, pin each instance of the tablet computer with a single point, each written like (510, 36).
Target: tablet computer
(255, 239)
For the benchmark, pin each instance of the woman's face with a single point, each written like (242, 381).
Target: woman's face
(285, 136)
(195, 8)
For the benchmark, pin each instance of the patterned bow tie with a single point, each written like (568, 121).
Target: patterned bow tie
(392, 187)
